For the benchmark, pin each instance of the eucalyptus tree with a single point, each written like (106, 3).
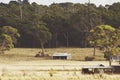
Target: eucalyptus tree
(20, 7)
(40, 31)
(84, 20)
(114, 10)
(4, 10)
(57, 24)
(25, 2)
(106, 38)
(8, 37)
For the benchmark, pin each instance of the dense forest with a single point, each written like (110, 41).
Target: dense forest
(68, 23)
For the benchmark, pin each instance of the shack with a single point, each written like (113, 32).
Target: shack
(97, 69)
(64, 56)
(116, 69)
(116, 58)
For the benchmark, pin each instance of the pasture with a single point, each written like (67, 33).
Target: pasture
(27, 54)
(20, 64)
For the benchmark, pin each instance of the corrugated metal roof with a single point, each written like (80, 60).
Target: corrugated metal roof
(98, 67)
(61, 54)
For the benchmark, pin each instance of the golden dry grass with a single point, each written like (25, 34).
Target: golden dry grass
(24, 75)
(20, 64)
(27, 54)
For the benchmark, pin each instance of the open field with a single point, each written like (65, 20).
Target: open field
(20, 64)
(51, 70)
(27, 54)
(63, 76)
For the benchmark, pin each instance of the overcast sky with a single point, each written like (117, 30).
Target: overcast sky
(48, 2)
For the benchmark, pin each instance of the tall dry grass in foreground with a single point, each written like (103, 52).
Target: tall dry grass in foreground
(53, 75)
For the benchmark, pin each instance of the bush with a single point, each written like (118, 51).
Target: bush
(89, 58)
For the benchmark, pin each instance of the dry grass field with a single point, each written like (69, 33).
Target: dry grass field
(20, 64)
(27, 54)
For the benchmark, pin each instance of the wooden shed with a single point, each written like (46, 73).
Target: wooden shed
(65, 56)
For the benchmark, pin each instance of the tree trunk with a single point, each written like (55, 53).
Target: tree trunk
(56, 41)
(42, 47)
(21, 12)
(94, 51)
(66, 37)
(2, 47)
(110, 61)
(67, 41)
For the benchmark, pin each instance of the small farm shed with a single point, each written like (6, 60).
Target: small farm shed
(97, 69)
(116, 68)
(61, 56)
(116, 58)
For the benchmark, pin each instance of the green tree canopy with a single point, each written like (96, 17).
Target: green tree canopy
(41, 31)
(8, 36)
(105, 37)
(62, 19)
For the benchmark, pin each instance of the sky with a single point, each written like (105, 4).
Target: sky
(48, 2)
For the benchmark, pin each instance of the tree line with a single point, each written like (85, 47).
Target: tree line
(56, 25)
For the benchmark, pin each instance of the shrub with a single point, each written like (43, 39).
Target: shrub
(89, 58)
